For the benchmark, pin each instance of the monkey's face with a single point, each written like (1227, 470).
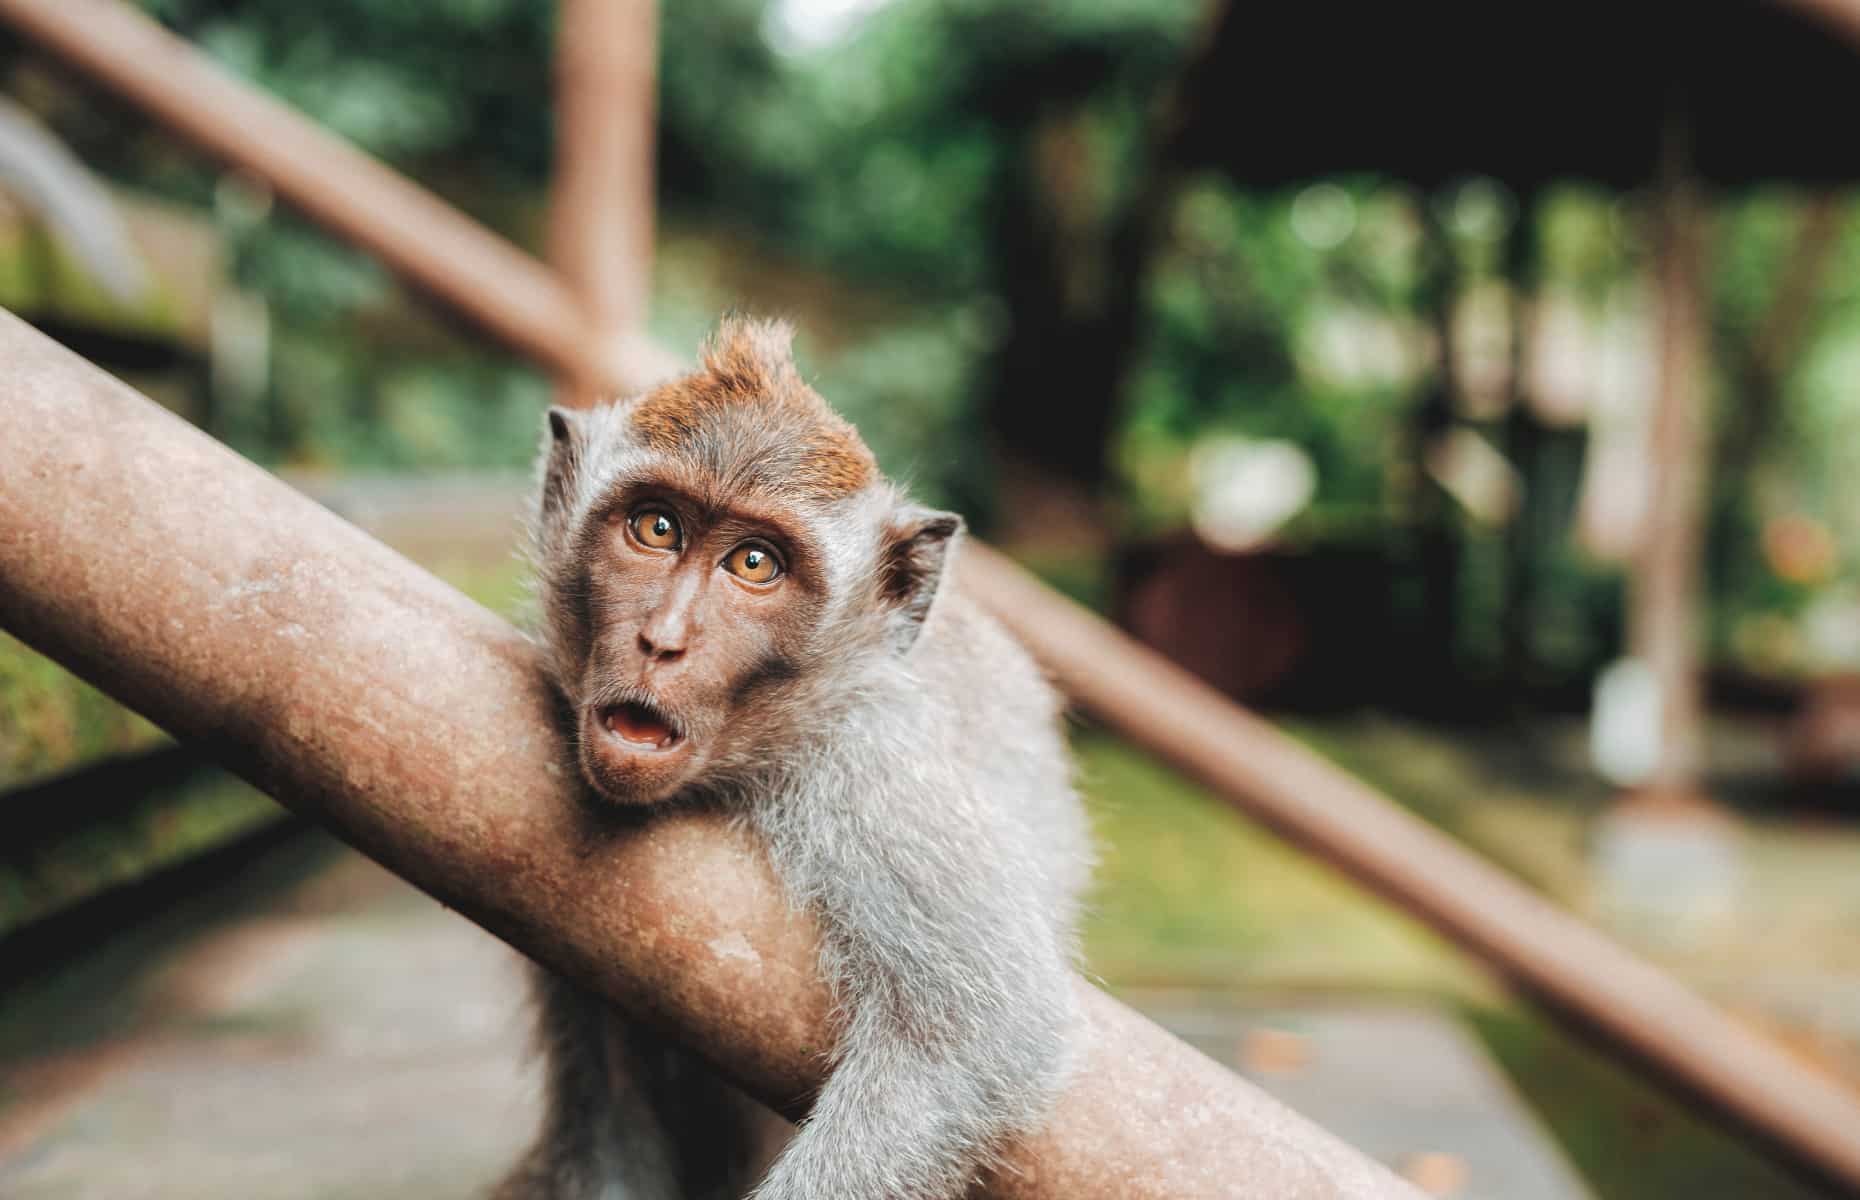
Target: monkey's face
(700, 618)
(720, 559)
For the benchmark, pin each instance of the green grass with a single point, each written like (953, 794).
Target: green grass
(1530, 821)
(158, 828)
(500, 584)
(50, 720)
(1630, 1140)
(1189, 892)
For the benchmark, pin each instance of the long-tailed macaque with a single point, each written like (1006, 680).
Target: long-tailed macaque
(739, 610)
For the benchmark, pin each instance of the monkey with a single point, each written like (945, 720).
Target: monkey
(736, 608)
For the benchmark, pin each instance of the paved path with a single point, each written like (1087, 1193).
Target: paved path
(1405, 1085)
(349, 1038)
(353, 1040)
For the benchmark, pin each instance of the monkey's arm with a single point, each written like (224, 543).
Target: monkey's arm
(955, 993)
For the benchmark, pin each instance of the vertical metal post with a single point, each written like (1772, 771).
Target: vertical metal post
(1664, 577)
(601, 205)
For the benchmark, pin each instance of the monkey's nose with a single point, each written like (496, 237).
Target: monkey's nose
(663, 649)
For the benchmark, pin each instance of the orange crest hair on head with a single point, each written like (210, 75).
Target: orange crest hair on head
(748, 387)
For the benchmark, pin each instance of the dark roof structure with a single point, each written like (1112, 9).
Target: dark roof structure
(1528, 95)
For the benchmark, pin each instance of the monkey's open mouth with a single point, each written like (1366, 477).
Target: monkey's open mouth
(640, 724)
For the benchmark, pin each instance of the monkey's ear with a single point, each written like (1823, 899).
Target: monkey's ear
(910, 570)
(561, 458)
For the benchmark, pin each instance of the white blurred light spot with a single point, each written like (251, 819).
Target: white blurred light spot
(1246, 488)
(1565, 358)
(1349, 346)
(1611, 512)
(1624, 727)
(1323, 216)
(1473, 472)
(1831, 631)
(1481, 210)
(804, 26)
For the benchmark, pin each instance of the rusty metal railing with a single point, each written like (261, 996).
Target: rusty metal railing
(1589, 980)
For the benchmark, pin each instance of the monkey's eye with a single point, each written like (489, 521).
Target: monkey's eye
(656, 528)
(753, 564)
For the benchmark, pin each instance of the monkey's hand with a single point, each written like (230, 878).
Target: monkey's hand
(958, 1014)
(912, 1115)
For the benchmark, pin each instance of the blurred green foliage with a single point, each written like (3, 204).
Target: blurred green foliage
(50, 719)
(868, 185)
(40, 275)
(148, 831)
(878, 159)
(1235, 299)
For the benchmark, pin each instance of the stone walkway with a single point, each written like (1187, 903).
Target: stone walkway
(1407, 1086)
(349, 1038)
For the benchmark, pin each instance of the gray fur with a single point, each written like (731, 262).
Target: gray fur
(909, 781)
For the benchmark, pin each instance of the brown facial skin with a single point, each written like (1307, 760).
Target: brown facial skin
(696, 608)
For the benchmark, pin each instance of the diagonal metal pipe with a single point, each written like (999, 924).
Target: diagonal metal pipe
(369, 203)
(1807, 1118)
(367, 695)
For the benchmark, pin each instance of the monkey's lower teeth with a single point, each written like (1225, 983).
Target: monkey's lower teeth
(637, 723)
